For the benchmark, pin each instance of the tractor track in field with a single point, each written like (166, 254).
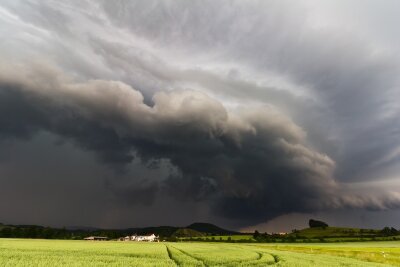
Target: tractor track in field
(262, 253)
(189, 255)
(170, 255)
(276, 257)
(259, 258)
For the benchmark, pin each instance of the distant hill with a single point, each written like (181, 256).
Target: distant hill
(314, 223)
(210, 229)
(186, 232)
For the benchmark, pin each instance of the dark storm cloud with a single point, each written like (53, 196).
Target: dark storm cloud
(250, 164)
(290, 101)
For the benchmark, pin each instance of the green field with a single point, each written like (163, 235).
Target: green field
(30, 252)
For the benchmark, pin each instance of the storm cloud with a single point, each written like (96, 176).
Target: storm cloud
(263, 109)
(249, 162)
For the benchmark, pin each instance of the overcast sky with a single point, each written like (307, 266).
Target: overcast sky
(247, 114)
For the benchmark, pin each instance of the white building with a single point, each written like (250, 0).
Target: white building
(147, 238)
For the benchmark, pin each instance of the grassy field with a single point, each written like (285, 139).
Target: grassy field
(29, 252)
(387, 252)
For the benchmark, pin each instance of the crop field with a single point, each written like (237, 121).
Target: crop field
(387, 252)
(30, 252)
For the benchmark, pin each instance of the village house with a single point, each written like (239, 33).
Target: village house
(147, 238)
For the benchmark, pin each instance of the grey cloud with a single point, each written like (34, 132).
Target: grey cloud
(302, 88)
(352, 77)
(251, 164)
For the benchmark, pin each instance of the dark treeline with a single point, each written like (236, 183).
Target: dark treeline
(34, 231)
(387, 233)
(164, 232)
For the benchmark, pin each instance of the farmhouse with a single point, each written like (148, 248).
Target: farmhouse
(96, 238)
(148, 238)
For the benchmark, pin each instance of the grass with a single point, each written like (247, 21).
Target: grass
(29, 252)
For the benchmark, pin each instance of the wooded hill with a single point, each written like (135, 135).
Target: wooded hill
(320, 232)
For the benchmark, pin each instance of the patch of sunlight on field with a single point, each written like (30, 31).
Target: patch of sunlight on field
(227, 254)
(30, 252)
(377, 252)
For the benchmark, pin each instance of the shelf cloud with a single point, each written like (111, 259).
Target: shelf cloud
(250, 164)
(234, 111)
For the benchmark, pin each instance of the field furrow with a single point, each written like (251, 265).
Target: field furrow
(188, 258)
(183, 259)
